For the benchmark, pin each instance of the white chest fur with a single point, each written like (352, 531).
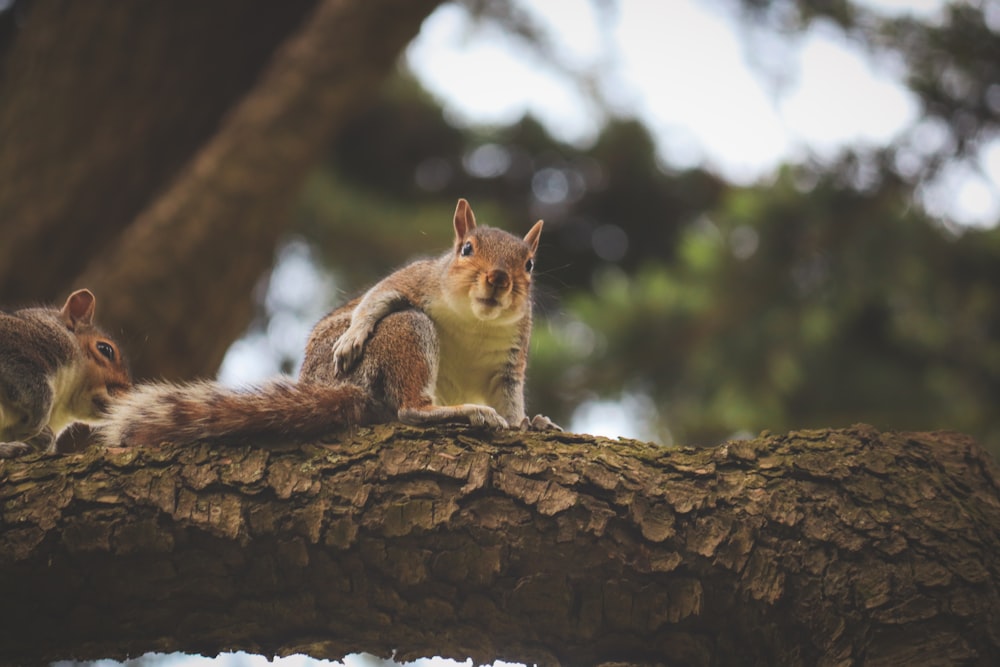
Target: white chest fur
(66, 398)
(474, 356)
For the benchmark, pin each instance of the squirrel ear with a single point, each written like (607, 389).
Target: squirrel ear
(531, 238)
(79, 308)
(465, 221)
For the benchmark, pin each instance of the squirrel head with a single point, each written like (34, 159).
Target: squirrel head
(106, 372)
(490, 269)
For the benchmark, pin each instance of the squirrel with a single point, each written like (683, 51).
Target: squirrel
(439, 340)
(56, 368)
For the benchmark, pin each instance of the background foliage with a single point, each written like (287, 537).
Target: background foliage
(823, 295)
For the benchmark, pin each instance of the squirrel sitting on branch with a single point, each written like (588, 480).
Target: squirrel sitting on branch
(439, 340)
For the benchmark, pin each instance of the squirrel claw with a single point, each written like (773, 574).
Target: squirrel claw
(486, 416)
(347, 350)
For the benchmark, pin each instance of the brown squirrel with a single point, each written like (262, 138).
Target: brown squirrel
(439, 340)
(56, 368)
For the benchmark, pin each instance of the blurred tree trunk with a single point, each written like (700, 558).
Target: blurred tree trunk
(821, 547)
(151, 151)
(102, 104)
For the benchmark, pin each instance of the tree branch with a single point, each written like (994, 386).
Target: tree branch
(218, 223)
(818, 547)
(103, 103)
(152, 152)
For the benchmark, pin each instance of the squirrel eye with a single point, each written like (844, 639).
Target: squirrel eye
(106, 350)
(529, 265)
(467, 249)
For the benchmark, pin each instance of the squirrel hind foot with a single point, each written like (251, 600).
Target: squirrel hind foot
(476, 415)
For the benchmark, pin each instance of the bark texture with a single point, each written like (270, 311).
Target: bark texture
(813, 548)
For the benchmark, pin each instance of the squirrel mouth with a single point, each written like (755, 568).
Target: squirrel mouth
(488, 302)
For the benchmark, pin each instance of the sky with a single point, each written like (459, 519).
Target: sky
(241, 659)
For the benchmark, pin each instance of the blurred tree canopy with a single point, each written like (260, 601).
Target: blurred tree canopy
(821, 296)
(824, 295)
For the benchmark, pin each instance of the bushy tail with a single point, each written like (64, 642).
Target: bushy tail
(278, 411)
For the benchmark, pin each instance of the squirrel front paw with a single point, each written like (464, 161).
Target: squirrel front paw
(9, 450)
(539, 423)
(347, 349)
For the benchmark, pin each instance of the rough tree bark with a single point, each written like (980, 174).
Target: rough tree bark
(820, 547)
(169, 206)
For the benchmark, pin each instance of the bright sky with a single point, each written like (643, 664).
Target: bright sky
(684, 68)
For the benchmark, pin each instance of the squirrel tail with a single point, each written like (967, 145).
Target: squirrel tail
(280, 411)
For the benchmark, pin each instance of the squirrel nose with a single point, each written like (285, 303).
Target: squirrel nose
(498, 278)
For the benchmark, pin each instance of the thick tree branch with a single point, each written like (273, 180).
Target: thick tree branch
(103, 102)
(152, 151)
(819, 547)
(219, 222)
